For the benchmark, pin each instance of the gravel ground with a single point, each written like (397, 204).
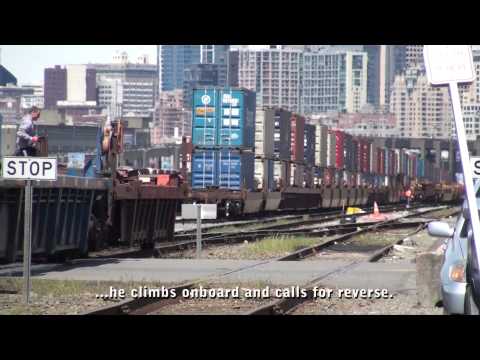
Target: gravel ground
(240, 251)
(401, 304)
(54, 297)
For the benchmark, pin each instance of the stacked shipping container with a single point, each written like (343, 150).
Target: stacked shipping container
(223, 136)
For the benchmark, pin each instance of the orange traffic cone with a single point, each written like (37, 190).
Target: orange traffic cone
(376, 213)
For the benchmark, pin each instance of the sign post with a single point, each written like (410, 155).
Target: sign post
(199, 230)
(27, 241)
(198, 212)
(28, 169)
(450, 65)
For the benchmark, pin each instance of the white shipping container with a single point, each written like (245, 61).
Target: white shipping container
(259, 172)
(321, 145)
(331, 149)
(264, 132)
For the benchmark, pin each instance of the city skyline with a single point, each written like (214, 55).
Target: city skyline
(28, 62)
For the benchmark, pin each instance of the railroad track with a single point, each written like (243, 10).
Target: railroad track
(142, 306)
(312, 214)
(183, 241)
(287, 306)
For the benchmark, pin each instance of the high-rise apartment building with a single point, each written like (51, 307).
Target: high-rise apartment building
(274, 74)
(422, 111)
(304, 81)
(174, 60)
(407, 56)
(333, 80)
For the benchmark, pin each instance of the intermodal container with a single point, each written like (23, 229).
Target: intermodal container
(264, 132)
(282, 136)
(297, 138)
(226, 169)
(264, 174)
(204, 169)
(331, 148)
(235, 170)
(237, 123)
(328, 176)
(223, 117)
(421, 168)
(339, 149)
(309, 144)
(348, 151)
(205, 117)
(321, 145)
(364, 154)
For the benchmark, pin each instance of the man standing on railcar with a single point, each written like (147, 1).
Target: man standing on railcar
(26, 138)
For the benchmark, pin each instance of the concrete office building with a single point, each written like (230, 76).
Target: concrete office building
(126, 88)
(73, 83)
(35, 99)
(10, 102)
(333, 80)
(422, 111)
(172, 119)
(274, 74)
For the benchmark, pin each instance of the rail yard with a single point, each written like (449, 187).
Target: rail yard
(310, 220)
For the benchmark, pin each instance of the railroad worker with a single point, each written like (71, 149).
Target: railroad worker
(26, 138)
(408, 195)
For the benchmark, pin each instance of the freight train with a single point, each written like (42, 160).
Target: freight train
(250, 160)
(78, 214)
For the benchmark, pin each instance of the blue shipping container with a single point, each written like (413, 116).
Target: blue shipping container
(223, 117)
(226, 169)
(204, 169)
(420, 168)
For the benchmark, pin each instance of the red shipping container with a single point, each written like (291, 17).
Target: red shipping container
(298, 136)
(382, 162)
(327, 176)
(391, 162)
(364, 156)
(339, 149)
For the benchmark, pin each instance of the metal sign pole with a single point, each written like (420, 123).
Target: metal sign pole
(199, 230)
(467, 168)
(27, 243)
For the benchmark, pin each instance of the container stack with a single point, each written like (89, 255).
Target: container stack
(223, 138)
(264, 149)
(297, 123)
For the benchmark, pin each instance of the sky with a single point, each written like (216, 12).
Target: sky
(27, 62)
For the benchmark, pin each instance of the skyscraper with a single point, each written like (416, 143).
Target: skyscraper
(174, 60)
(381, 74)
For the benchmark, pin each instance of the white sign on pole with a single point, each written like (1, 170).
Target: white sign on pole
(208, 211)
(449, 63)
(475, 162)
(26, 168)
